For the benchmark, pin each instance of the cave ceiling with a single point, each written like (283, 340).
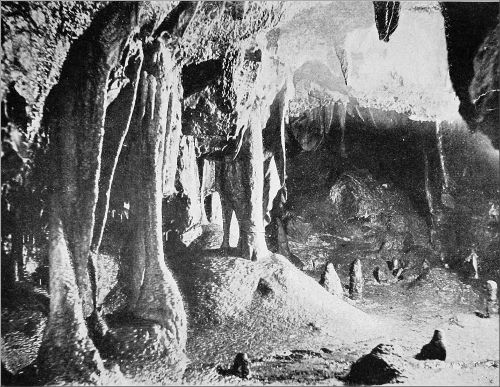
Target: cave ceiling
(333, 51)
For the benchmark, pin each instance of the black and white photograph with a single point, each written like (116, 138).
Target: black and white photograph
(258, 193)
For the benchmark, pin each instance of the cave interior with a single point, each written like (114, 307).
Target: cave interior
(290, 183)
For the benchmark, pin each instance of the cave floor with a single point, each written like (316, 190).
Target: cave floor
(408, 314)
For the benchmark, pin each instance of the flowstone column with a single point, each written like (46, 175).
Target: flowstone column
(252, 230)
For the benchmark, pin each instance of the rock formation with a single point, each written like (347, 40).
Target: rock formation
(491, 297)
(382, 365)
(356, 280)
(331, 281)
(435, 349)
(149, 112)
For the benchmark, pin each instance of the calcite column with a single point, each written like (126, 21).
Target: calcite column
(253, 234)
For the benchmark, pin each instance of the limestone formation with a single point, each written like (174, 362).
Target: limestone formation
(331, 281)
(471, 265)
(356, 280)
(435, 349)
(380, 275)
(394, 265)
(382, 365)
(491, 297)
(241, 366)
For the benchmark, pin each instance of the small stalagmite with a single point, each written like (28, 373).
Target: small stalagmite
(491, 297)
(435, 349)
(331, 281)
(356, 280)
(241, 366)
(380, 275)
(395, 266)
(471, 262)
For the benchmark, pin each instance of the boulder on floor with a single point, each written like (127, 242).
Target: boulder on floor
(382, 365)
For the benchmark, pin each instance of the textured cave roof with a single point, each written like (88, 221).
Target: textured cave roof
(409, 74)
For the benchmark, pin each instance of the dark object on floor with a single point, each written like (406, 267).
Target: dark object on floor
(356, 280)
(382, 365)
(380, 275)
(241, 366)
(435, 349)
(482, 314)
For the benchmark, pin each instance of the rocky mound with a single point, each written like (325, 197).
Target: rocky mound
(219, 289)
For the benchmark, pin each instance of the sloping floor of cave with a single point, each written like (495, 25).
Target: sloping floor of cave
(385, 218)
(381, 215)
(405, 311)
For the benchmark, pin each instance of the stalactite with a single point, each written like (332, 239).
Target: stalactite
(116, 128)
(207, 183)
(430, 200)
(439, 138)
(172, 141)
(446, 197)
(342, 120)
(188, 183)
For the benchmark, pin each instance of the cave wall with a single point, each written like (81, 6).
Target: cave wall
(467, 26)
(36, 37)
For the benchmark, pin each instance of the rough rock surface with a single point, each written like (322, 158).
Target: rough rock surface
(331, 281)
(35, 40)
(382, 365)
(484, 87)
(24, 317)
(220, 289)
(143, 350)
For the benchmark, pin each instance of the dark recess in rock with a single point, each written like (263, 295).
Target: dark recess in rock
(195, 77)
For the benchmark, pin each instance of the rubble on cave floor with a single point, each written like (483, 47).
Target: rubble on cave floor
(307, 354)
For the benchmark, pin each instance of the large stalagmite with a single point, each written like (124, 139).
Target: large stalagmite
(66, 349)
